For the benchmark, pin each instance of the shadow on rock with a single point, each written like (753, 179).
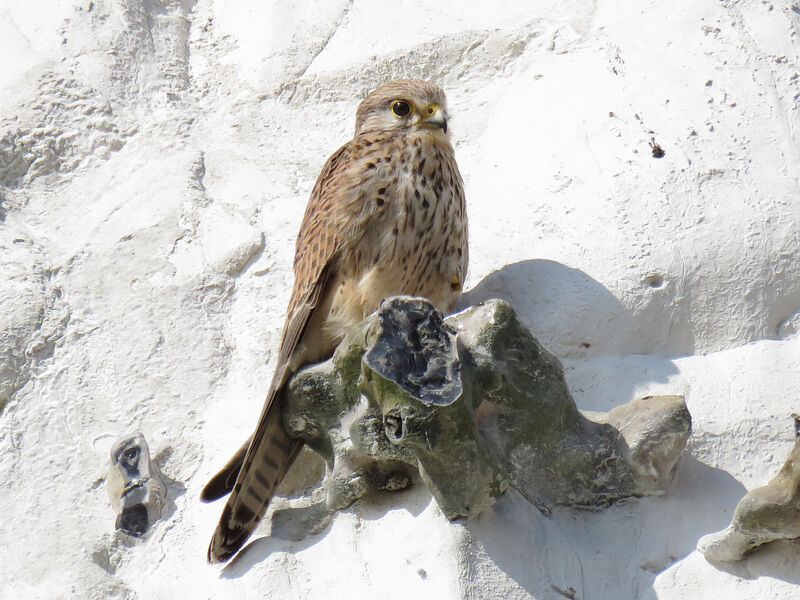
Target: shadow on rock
(519, 552)
(258, 550)
(619, 550)
(574, 316)
(298, 527)
(779, 560)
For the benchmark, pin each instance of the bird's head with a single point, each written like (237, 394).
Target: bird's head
(403, 105)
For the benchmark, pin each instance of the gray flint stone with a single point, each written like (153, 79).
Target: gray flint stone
(475, 404)
(135, 486)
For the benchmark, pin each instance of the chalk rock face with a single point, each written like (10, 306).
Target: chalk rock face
(135, 486)
(476, 404)
(156, 158)
(32, 316)
(766, 514)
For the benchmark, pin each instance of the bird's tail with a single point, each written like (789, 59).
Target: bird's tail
(222, 483)
(268, 457)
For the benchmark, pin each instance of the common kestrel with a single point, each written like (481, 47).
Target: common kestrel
(386, 217)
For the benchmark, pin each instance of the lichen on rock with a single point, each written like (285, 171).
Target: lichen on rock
(765, 514)
(475, 404)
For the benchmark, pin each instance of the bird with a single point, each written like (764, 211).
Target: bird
(386, 217)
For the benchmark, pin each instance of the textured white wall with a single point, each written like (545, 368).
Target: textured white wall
(155, 161)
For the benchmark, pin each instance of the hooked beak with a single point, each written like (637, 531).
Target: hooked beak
(436, 117)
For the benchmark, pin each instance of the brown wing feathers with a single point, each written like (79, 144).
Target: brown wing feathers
(222, 483)
(257, 468)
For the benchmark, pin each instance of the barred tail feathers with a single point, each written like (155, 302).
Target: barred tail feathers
(269, 456)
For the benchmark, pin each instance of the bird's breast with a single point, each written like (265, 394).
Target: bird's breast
(411, 236)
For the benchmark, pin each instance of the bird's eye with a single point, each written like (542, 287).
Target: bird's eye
(401, 108)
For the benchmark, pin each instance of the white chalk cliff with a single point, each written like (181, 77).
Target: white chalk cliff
(632, 172)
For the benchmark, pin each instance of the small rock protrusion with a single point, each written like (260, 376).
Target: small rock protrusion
(135, 485)
(764, 515)
(393, 426)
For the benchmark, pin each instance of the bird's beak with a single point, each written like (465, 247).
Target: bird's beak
(435, 117)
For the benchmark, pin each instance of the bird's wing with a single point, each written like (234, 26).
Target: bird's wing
(315, 250)
(271, 450)
(221, 484)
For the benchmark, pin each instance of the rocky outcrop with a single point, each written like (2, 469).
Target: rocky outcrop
(476, 404)
(764, 515)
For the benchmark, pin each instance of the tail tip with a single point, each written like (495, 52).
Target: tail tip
(216, 555)
(219, 485)
(225, 543)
